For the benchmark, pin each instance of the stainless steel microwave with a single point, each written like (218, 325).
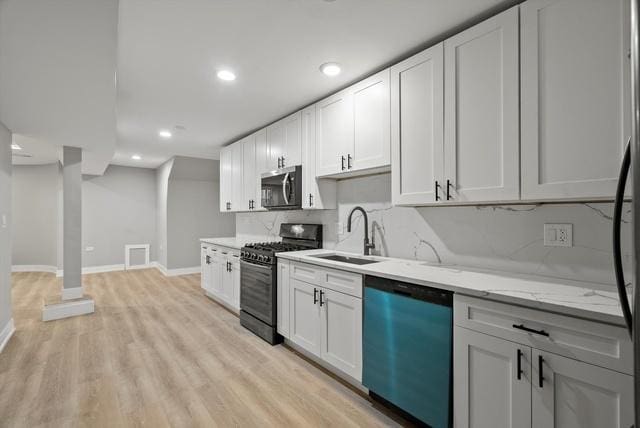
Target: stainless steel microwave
(282, 189)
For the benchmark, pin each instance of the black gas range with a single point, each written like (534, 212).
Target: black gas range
(258, 277)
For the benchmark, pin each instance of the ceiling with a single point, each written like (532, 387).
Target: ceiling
(59, 89)
(57, 77)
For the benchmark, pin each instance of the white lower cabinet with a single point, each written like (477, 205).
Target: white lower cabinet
(524, 381)
(305, 316)
(487, 390)
(221, 275)
(341, 331)
(282, 302)
(322, 321)
(571, 394)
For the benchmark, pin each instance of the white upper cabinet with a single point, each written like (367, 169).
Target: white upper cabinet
(353, 129)
(417, 103)
(316, 193)
(334, 133)
(249, 171)
(283, 141)
(226, 178)
(481, 133)
(371, 122)
(236, 197)
(575, 105)
(261, 163)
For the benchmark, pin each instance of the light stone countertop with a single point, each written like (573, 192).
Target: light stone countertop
(229, 242)
(580, 299)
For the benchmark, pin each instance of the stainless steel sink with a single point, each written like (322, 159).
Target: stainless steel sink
(346, 259)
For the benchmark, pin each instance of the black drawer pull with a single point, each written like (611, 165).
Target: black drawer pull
(540, 374)
(315, 296)
(519, 364)
(530, 330)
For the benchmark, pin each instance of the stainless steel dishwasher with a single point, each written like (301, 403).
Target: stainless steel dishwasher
(407, 348)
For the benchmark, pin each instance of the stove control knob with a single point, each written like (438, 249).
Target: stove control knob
(261, 258)
(267, 259)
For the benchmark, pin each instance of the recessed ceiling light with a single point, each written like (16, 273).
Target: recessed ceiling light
(330, 69)
(226, 75)
(136, 157)
(164, 134)
(14, 146)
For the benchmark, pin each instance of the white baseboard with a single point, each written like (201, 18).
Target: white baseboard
(6, 334)
(34, 268)
(67, 309)
(106, 268)
(175, 272)
(72, 293)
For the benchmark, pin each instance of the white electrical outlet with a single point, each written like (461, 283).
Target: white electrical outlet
(558, 235)
(89, 249)
(339, 228)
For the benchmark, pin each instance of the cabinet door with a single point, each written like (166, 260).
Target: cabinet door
(204, 267)
(486, 388)
(292, 140)
(417, 129)
(218, 263)
(262, 162)
(282, 305)
(574, 394)
(371, 123)
(237, 202)
(275, 144)
(317, 193)
(575, 97)
(234, 274)
(334, 133)
(341, 342)
(304, 316)
(226, 178)
(481, 134)
(248, 172)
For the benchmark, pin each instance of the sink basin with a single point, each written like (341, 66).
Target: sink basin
(346, 259)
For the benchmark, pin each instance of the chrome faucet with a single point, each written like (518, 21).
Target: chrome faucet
(367, 245)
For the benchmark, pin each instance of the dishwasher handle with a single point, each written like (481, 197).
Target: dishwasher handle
(412, 291)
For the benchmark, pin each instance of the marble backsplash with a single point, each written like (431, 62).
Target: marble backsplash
(508, 238)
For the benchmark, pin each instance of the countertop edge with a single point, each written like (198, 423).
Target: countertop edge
(568, 310)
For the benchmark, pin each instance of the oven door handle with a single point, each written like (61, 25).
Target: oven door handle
(286, 188)
(255, 265)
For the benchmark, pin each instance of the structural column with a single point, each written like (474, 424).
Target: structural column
(73, 302)
(72, 223)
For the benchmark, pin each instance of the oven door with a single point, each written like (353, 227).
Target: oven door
(258, 291)
(282, 189)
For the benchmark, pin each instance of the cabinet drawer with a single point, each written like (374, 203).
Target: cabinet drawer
(338, 280)
(589, 341)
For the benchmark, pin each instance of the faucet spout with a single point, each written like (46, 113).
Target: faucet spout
(367, 245)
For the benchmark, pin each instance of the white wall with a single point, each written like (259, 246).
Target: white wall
(5, 231)
(162, 189)
(508, 238)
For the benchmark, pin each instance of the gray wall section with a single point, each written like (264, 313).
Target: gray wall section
(162, 189)
(5, 230)
(193, 212)
(72, 216)
(118, 208)
(35, 214)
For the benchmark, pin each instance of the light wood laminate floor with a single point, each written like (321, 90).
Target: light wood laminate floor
(158, 353)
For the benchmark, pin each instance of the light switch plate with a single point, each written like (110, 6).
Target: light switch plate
(4, 221)
(558, 235)
(89, 248)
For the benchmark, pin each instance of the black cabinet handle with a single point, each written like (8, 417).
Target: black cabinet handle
(208, 260)
(540, 374)
(279, 160)
(448, 187)
(315, 296)
(310, 200)
(437, 195)
(283, 161)
(342, 162)
(519, 363)
(321, 293)
(530, 330)
(349, 159)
